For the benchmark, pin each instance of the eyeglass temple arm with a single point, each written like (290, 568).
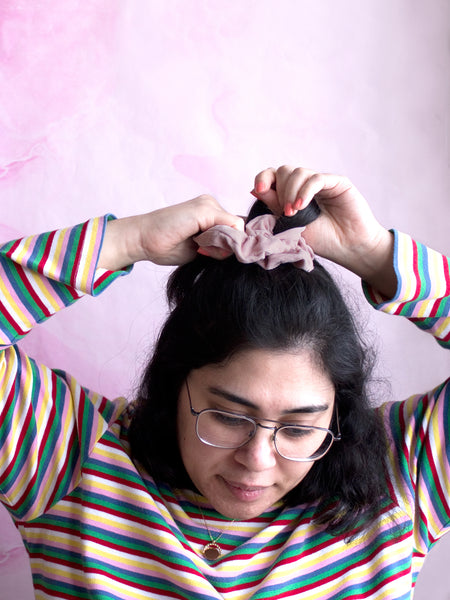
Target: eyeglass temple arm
(338, 436)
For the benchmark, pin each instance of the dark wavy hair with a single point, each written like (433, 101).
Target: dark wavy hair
(219, 308)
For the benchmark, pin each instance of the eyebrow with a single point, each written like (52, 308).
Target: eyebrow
(307, 410)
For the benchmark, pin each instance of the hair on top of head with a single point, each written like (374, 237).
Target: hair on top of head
(300, 219)
(219, 307)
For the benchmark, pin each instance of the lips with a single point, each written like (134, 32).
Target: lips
(245, 487)
(245, 492)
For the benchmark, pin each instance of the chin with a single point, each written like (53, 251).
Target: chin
(242, 511)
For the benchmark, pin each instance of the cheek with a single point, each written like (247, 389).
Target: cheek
(192, 450)
(295, 473)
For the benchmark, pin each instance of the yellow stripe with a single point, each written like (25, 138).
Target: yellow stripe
(17, 314)
(23, 249)
(169, 574)
(89, 245)
(51, 266)
(111, 522)
(437, 279)
(441, 328)
(95, 482)
(45, 293)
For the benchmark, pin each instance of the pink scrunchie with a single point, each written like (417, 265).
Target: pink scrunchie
(257, 244)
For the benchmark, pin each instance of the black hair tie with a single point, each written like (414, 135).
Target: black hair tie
(300, 219)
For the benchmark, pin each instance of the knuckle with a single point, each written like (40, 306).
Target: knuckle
(300, 171)
(284, 170)
(206, 200)
(346, 181)
(317, 178)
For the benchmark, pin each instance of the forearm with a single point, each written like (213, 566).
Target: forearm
(163, 236)
(121, 244)
(376, 266)
(42, 274)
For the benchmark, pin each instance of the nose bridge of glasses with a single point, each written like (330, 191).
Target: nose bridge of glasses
(265, 439)
(259, 424)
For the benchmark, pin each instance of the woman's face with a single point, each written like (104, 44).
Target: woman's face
(286, 386)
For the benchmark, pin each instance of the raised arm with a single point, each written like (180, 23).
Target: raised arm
(346, 232)
(163, 236)
(47, 410)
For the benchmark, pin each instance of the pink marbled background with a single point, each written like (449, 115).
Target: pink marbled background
(126, 105)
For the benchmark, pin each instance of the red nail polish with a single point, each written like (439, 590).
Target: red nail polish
(288, 210)
(260, 187)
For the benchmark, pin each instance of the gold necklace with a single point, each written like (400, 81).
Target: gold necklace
(211, 550)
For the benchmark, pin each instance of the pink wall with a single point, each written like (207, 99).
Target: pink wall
(127, 105)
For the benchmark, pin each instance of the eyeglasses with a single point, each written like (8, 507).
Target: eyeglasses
(301, 443)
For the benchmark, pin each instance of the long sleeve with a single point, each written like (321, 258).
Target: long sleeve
(423, 291)
(48, 422)
(419, 428)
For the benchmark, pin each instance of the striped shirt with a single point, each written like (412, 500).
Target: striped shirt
(97, 526)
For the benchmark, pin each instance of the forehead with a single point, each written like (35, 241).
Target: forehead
(275, 380)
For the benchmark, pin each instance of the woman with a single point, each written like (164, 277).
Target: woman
(250, 465)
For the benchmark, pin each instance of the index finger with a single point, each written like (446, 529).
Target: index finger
(323, 185)
(265, 189)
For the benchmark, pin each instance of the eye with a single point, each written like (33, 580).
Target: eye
(296, 432)
(229, 420)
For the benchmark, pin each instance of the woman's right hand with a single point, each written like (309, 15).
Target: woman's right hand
(346, 231)
(163, 236)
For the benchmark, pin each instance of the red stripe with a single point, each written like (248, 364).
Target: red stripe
(356, 596)
(101, 408)
(405, 450)
(99, 506)
(415, 268)
(131, 551)
(38, 479)
(102, 278)
(35, 298)
(46, 253)
(13, 459)
(76, 264)
(367, 559)
(435, 475)
(13, 248)
(446, 272)
(53, 594)
(13, 324)
(114, 478)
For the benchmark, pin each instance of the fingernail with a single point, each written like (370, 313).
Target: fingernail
(298, 203)
(253, 193)
(202, 251)
(260, 187)
(289, 210)
(239, 225)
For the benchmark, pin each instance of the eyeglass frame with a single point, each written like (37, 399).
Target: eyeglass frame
(335, 437)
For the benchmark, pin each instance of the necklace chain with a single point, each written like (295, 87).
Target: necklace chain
(212, 550)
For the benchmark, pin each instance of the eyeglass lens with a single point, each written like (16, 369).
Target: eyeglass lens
(225, 430)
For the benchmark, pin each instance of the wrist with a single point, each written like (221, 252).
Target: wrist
(374, 264)
(121, 244)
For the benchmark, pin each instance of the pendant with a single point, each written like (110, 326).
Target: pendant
(212, 551)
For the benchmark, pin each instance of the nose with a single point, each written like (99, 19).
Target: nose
(259, 453)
